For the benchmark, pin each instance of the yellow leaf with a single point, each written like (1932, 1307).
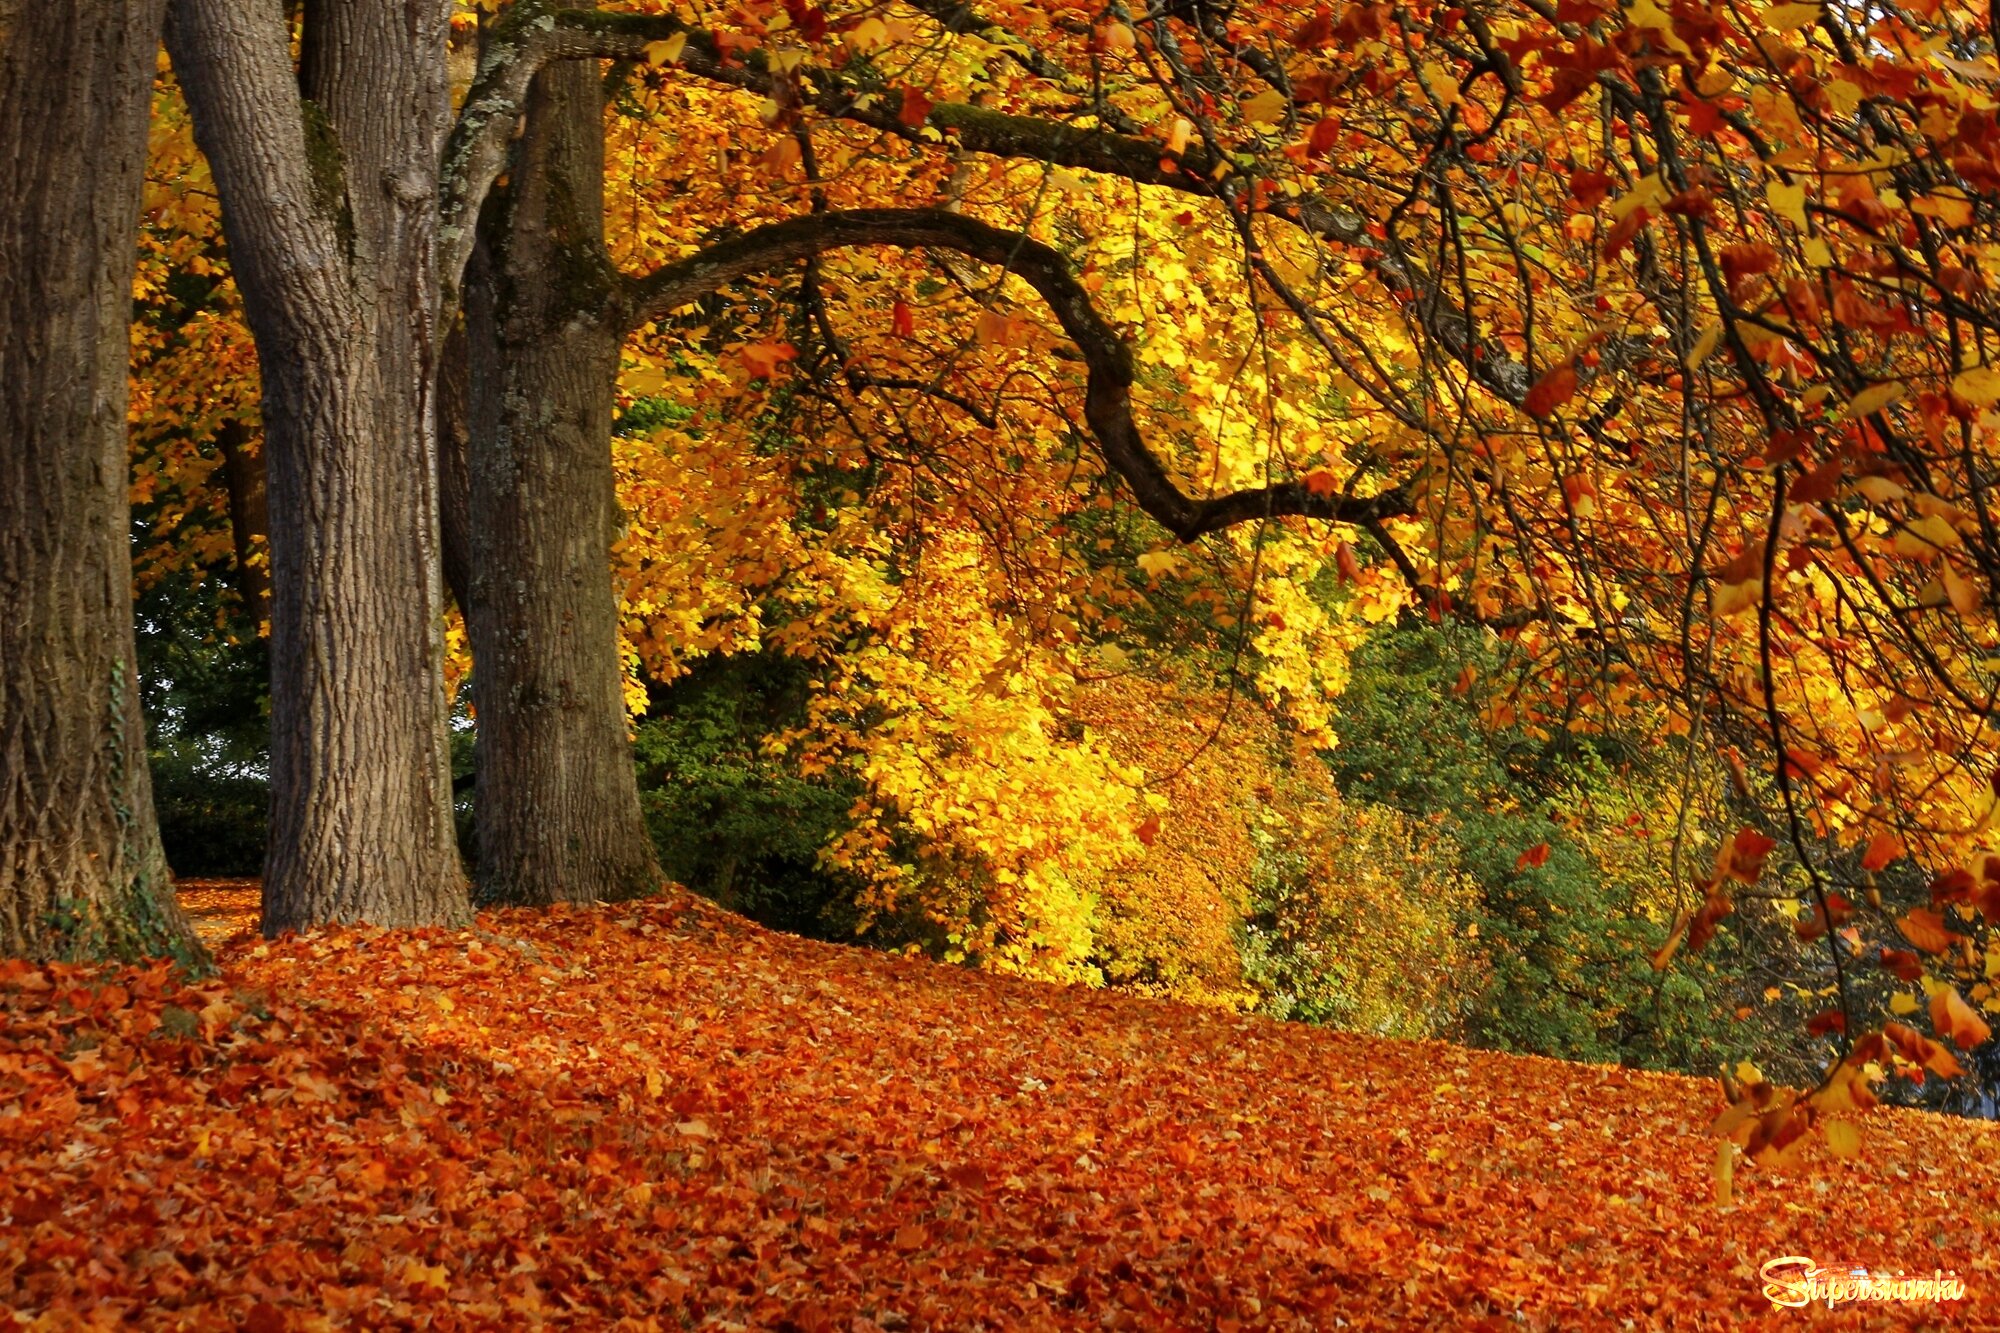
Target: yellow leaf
(871, 34)
(1649, 191)
(419, 1274)
(1725, 1171)
(1788, 202)
(1733, 597)
(666, 52)
(1979, 386)
(1879, 490)
(1874, 398)
(1438, 78)
(1704, 345)
(1951, 210)
(1902, 1002)
(1266, 108)
(1843, 1137)
(1646, 14)
(1790, 18)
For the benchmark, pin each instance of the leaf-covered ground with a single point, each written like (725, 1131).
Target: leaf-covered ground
(659, 1115)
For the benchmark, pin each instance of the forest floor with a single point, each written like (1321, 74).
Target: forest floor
(658, 1115)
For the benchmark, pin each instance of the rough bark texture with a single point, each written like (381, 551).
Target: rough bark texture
(328, 182)
(557, 804)
(81, 871)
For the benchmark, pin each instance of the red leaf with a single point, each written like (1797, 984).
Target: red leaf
(916, 108)
(1902, 964)
(1953, 886)
(901, 322)
(1704, 118)
(1621, 235)
(1589, 188)
(1314, 33)
(1538, 855)
(1551, 391)
(1817, 486)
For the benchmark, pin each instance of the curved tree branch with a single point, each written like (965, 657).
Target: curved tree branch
(530, 34)
(1106, 356)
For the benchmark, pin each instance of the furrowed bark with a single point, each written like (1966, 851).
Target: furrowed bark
(81, 870)
(556, 796)
(328, 177)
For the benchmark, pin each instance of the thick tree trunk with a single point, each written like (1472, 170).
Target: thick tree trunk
(330, 206)
(557, 803)
(81, 871)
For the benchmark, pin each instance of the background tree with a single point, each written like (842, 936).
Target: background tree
(81, 870)
(556, 809)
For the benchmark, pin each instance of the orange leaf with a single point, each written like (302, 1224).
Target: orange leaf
(1925, 929)
(1883, 848)
(1538, 855)
(1953, 1019)
(763, 359)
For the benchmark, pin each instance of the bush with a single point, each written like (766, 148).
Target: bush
(205, 685)
(1567, 943)
(731, 821)
(1357, 923)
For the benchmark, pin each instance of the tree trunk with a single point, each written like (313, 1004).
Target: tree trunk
(454, 406)
(330, 206)
(556, 798)
(249, 518)
(81, 871)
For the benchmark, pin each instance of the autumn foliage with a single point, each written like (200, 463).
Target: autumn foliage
(659, 1115)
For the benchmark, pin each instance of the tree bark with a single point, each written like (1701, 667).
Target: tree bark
(249, 516)
(328, 178)
(81, 870)
(454, 407)
(556, 796)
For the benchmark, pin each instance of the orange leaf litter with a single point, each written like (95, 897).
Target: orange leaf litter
(657, 1115)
